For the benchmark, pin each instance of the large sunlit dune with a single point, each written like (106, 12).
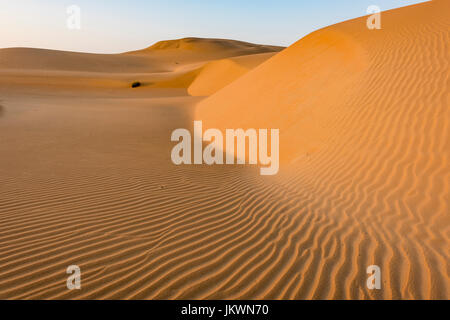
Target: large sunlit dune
(87, 177)
(364, 134)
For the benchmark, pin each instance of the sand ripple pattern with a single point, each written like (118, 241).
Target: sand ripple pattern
(376, 191)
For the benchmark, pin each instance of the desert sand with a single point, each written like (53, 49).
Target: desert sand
(87, 179)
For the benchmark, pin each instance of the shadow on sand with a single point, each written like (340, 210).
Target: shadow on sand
(2, 110)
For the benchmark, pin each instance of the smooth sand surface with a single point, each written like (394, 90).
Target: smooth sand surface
(217, 74)
(363, 116)
(173, 64)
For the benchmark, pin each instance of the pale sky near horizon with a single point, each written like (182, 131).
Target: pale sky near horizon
(111, 26)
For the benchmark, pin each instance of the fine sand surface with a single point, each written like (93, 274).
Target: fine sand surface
(87, 179)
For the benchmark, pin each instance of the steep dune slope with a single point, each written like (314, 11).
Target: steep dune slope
(364, 138)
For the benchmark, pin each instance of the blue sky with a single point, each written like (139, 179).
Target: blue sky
(111, 26)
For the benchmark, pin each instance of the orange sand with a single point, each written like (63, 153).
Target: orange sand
(363, 116)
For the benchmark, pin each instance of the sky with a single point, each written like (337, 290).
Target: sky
(113, 26)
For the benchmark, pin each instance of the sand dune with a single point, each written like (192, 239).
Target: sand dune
(363, 116)
(216, 75)
(162, 57)
(167, 64)
(42, 59)
(205, 66)
(205, 79)
(199, 49)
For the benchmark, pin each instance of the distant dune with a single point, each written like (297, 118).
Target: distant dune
(42, 59)
(210, 49)
(163, 56)
(204, 66)
(87, 179)
(167, 64)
